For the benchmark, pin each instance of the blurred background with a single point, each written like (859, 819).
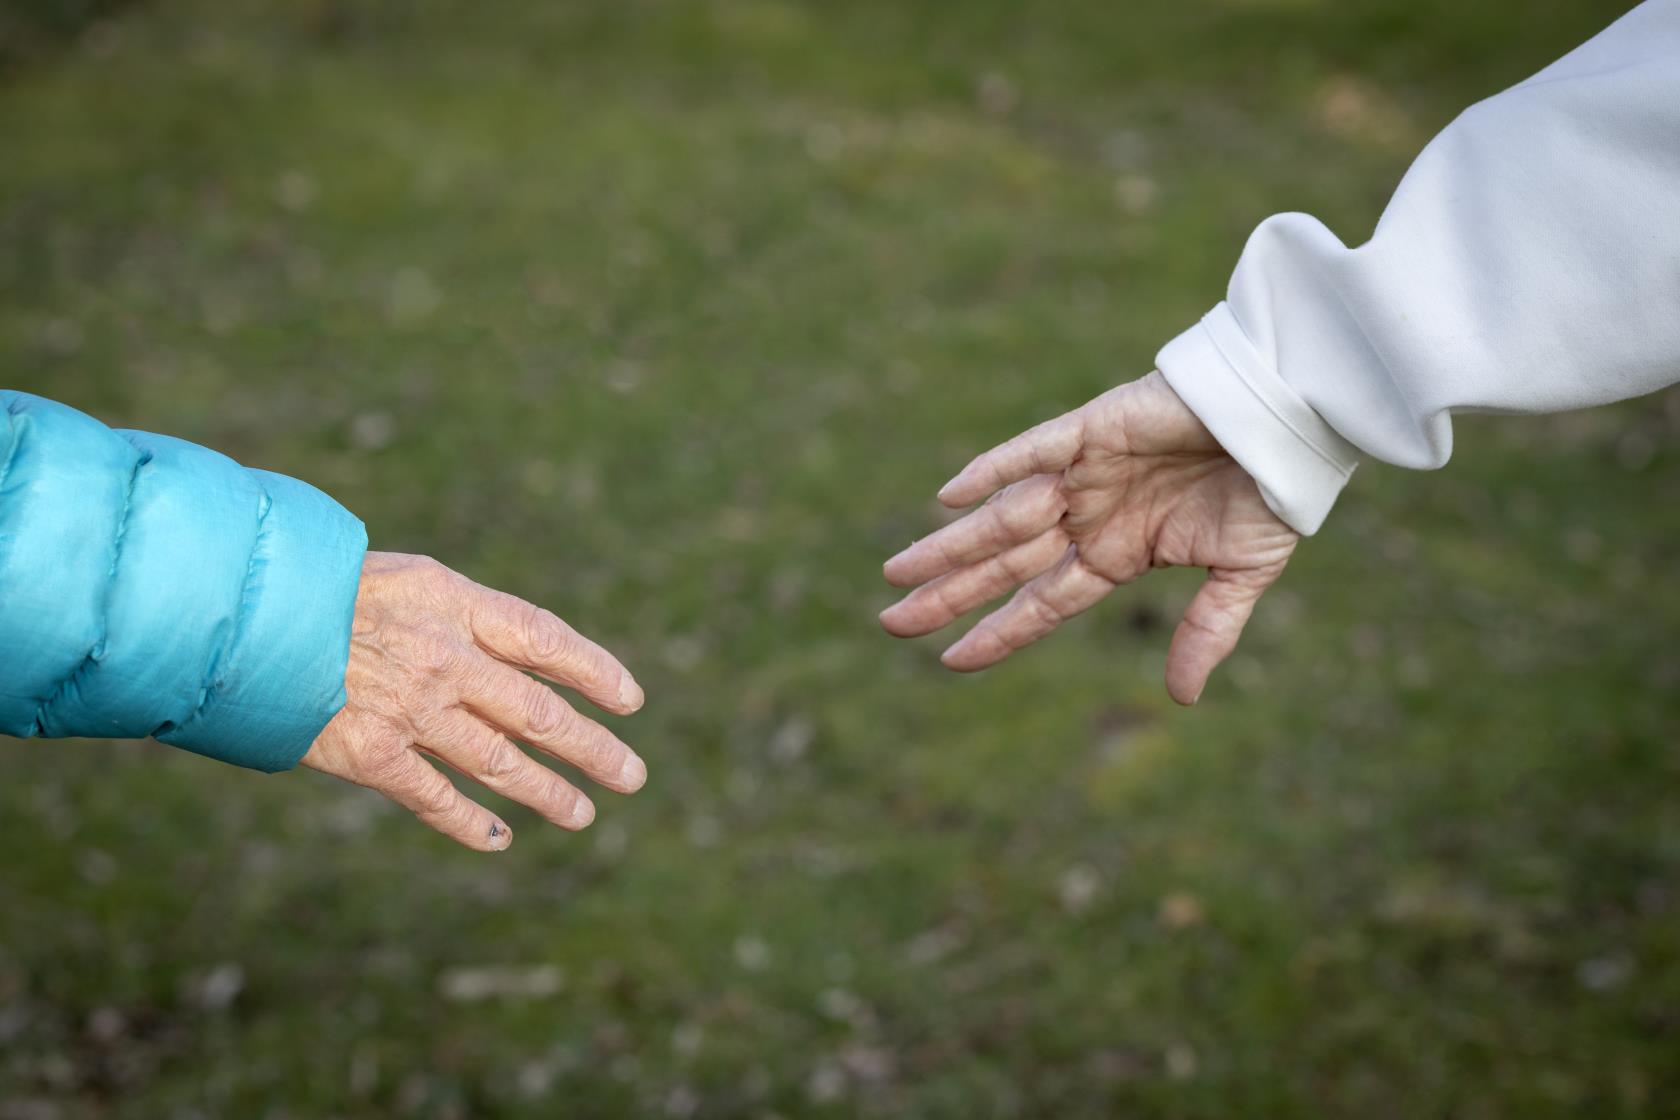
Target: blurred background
(672, 316)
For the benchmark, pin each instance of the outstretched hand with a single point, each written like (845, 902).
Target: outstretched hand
(434, 671)
(1083, 503)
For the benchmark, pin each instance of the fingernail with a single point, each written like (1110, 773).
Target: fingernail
(582, 813)
(633, 774)
(500, 836)
(630, 693)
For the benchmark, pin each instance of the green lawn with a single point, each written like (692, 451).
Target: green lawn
(672, 315)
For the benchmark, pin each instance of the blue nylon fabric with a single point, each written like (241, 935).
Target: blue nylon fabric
(149, 586)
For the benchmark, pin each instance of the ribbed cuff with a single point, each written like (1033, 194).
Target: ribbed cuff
(1298, 460)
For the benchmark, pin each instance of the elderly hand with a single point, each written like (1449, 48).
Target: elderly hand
(1093, 499)
(434, 670)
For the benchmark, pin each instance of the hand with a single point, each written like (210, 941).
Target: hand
(1093, 499)
(434, 670)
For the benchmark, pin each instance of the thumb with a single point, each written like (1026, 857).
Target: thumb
(1211, 626)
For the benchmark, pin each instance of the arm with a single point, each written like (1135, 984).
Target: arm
(1529, 262)
(150, 587)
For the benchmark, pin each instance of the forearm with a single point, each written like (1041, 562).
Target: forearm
(1529, 262)
(152, 587)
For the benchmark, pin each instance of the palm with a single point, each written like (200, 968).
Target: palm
(1093, 499)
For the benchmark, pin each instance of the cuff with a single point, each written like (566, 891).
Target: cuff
(281, 678)
(1298, 460)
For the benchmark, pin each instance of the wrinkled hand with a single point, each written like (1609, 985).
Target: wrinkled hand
(1090, 500)
(434, 670)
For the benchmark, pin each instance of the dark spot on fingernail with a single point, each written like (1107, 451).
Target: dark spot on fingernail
(495, 829)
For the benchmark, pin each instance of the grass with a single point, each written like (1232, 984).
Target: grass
(672, 316)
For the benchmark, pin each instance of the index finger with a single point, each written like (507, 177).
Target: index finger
(520, 633)
(1049, 448)
(1020, 513)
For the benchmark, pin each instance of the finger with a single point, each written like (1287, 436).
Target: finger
(1209, 631)
(532, 712)
(1047, 449)
(936, 604)
(494, 761)
(406, 778)
(522, 634)
(1018, 514)
(1038, 608)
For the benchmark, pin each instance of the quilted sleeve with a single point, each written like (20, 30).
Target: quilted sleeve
(152, 587)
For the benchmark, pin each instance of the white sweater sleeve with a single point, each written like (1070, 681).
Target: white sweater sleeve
(1529, 262)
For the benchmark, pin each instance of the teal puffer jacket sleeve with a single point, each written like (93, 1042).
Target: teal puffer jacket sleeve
(152, 587)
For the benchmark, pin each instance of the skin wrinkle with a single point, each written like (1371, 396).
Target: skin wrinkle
(958, 592)
(1136, 482)
(435, 674)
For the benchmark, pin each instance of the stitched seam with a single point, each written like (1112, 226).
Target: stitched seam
(98, 649)
(240, 620)
(1265, 399)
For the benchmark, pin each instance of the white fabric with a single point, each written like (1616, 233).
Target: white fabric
(1529, 262)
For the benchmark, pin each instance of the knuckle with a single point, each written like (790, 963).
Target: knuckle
(599, 752)
(384, 763)
(502, 762)
(545, 635)
(433, 574)
(545, 714)
(564, 800)
(436, 798)
(944, 599)
(1007, 518)
(434, 656)
(1050, 502)
(1021, 518)
(428, 710)
(552, 794)
(1011, 566)
(987, 640)
(1198, 623)
(951, 552)
(1045, 615)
